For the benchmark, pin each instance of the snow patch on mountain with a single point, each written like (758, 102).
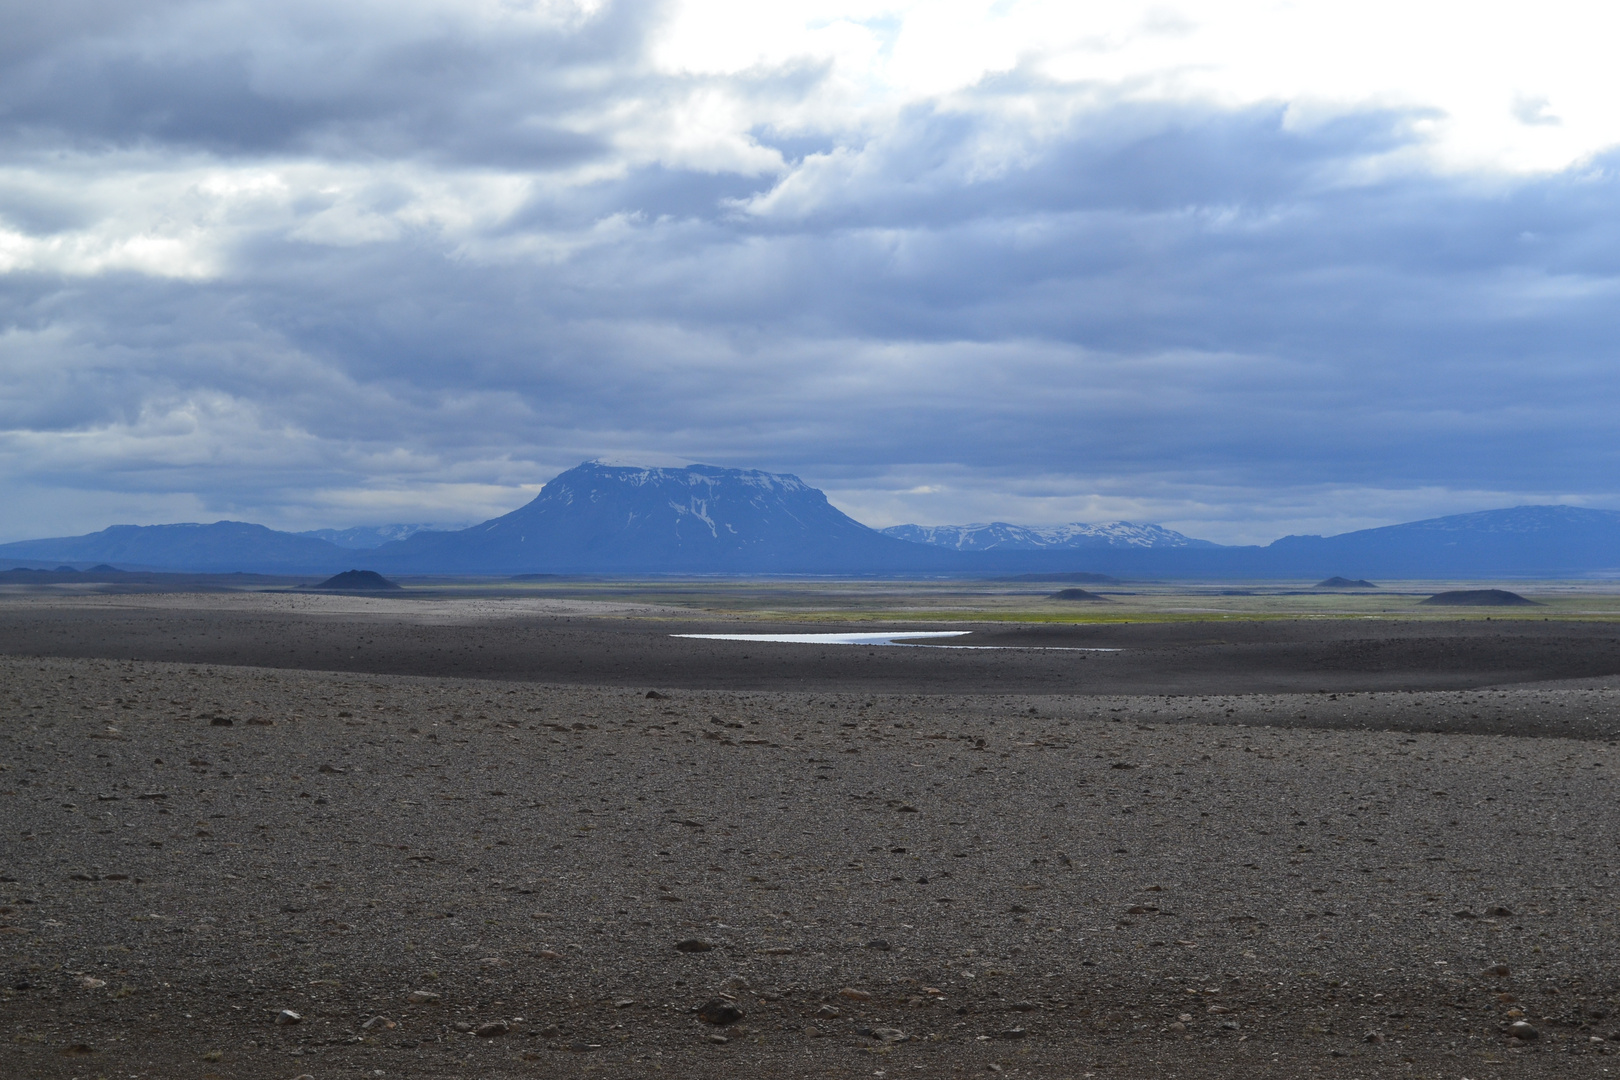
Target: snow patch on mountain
(363, 537)
(999, 535)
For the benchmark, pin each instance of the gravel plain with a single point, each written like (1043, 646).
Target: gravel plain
(882, 884)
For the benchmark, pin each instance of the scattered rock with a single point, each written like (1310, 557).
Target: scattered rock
(854, 995)
(1022, 1006)
(624, 1003)
(1499, 912)
(1496, 971)
(827, 1012)
(737, 982)
(550, 1031)
(1013, 1033)
(492, 1029)
(653, 695)
(719, 1040)
(1522, 1031)
(378, 1022)
(462, 1026)
(888, 1035)
(92, 984)
(693, 945)
(424, 997)
(1463, 913)
(287, 1017)
(880, 944)
(720, 1011)
(1372, 1037)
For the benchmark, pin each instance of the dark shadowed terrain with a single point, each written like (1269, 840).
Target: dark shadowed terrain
(623, 645)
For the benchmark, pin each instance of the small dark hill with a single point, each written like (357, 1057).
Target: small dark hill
(358, 581)
(1344, 583)
(103, 568)
(1081, 595)
(1480, 598)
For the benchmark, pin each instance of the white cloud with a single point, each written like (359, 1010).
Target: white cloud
(1236, 267)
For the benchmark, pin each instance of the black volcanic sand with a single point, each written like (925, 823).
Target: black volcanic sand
(928, 884)
(891, 878)
(583, 643)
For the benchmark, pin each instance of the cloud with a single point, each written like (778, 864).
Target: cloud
(319, 264)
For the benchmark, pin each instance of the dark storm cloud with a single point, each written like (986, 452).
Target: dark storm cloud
(1191, 302)
(315, 78)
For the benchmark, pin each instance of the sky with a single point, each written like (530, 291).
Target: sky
(1240, 267)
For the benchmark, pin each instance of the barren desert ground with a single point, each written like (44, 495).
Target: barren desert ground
(541, 837)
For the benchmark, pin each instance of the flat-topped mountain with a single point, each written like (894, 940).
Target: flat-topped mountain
(702, 519)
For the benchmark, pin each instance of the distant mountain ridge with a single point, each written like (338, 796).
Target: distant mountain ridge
(999, 535)
(362, 537)
(599, 519)
(1530, 541)
(222, 547)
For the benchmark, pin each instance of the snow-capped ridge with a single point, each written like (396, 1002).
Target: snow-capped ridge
(1000, 535)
